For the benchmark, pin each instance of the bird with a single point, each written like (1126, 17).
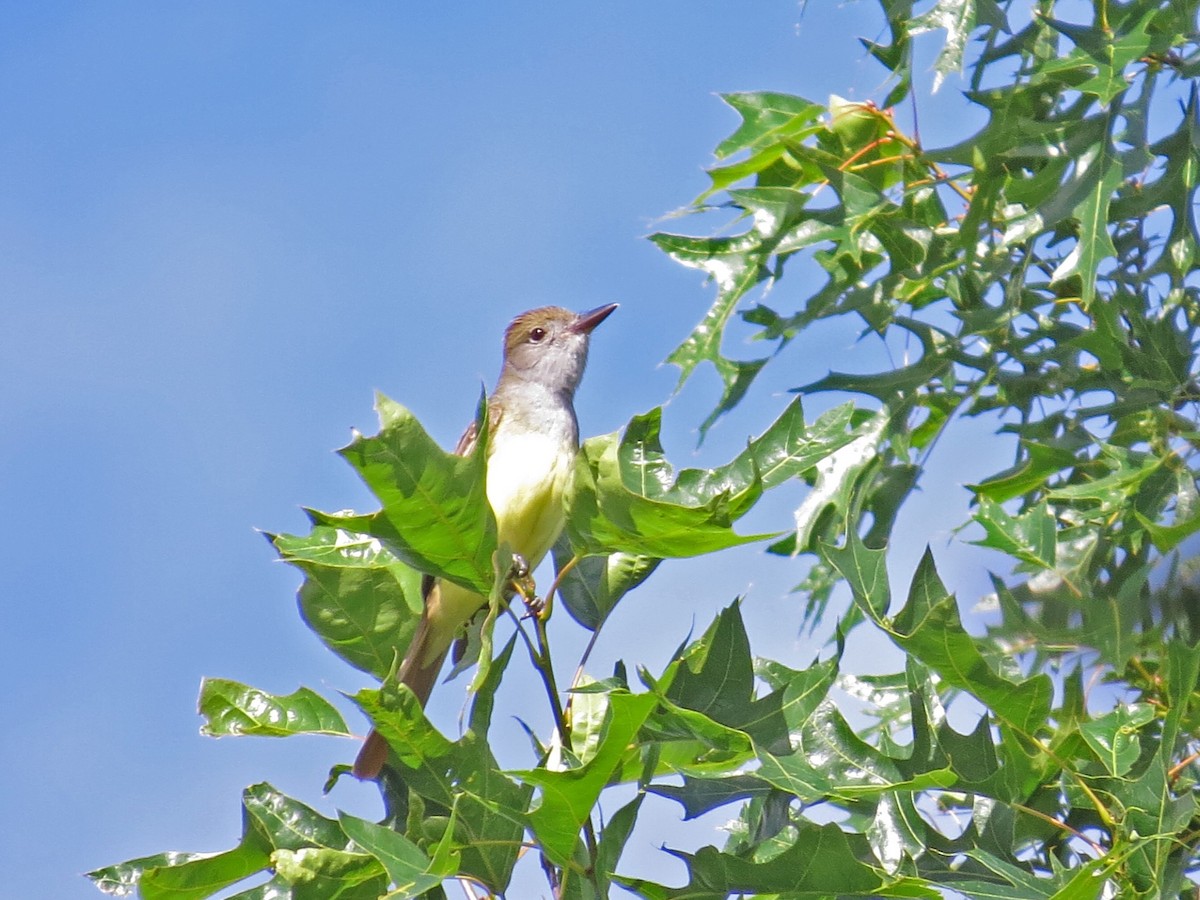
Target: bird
(533, 437)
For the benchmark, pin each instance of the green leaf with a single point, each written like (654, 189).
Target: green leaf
(287, 823)
(691, 743)
(1038, 463)
(766, 117)
(231, 708)
(731, 264)
(700, 794)
(319, 873)
(957, 18)
(715, 674)
(1087, 881)
(833, 493)
(411, 872)
(897, 832)
(1168, 537)
(820, 864)
(786, 450)
(865, 570)
(898, 383)
(1030, 537)
(567, 797)
(202, 876)
(1093, 244)
(1126, 472)
(592, 587)
(271, 821)
(275, 889)
(804, 691)
(359, 599)
(435, 515)
(121, 879)
(830, 760)
(460, 777)
(929, 627)
(605, 516)
(1029, 886)
(1113, 737)
(612, 841)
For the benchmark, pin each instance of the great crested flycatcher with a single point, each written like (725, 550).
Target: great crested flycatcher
(533, 438)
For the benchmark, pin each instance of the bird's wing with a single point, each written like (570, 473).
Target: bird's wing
(466, 443)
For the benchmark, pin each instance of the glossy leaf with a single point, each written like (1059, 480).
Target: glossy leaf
(271, 822)
(929, 627)
(606, 516)
(594, 585)
(766, 117)
(460, 777)
(1030, 537)
(231, 708)
(412, 873)
(435, 515)
(319, 872)
(567, 797)
(359, 599)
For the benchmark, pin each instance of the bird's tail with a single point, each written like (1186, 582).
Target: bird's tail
(420, 675)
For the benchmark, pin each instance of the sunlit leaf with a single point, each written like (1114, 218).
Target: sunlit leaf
(435, 515)
(766, 117)
(567, 797)
(361, 601)
(1030, 536)
(606, 516)
(1114, 737)
(319, 872)
(233, 708)
(412, 873)
(460, 777)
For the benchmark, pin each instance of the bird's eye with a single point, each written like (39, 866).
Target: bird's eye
(537, 334)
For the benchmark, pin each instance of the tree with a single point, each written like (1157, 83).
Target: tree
(1044, 269)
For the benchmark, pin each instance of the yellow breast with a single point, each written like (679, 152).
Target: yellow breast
(526, 477)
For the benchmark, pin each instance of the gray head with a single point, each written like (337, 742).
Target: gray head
(548, 346)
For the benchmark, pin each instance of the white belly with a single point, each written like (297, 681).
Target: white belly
(526, 478)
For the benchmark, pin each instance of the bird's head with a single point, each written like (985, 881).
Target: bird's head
(549, 345)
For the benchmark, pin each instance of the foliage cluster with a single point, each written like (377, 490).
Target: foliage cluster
(1043, 272)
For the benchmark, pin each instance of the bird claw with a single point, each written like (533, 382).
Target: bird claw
(520, 581)
(535, 606)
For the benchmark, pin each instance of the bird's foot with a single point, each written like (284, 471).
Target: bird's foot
(535, 606)
(521, 582)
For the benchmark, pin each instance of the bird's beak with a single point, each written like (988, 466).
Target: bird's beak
(585, 322)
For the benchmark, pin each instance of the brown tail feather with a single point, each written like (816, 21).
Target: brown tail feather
(420, 680)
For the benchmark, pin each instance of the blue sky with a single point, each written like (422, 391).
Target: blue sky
(223, 227)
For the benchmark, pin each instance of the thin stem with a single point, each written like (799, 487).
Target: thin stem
(587, 651)
(1174, 772)
(1057, 823)
(540, 655)
(558, 577)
